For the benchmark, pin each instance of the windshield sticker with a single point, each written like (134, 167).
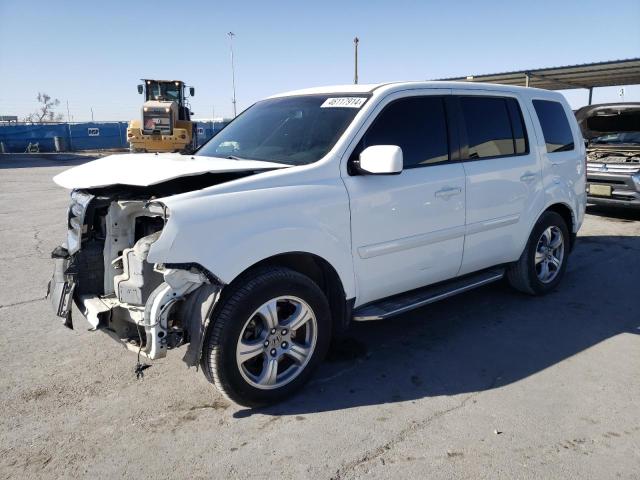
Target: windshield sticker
(344, 102)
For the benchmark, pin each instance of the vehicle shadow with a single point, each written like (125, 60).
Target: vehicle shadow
(624, 214)
(486, 339)
(25, 160)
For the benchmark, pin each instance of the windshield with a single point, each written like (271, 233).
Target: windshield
(619, 137)
(163, 91)
(292, 130)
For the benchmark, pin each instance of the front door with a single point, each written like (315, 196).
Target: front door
(408, 229)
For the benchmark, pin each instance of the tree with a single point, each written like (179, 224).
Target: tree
(45, 112)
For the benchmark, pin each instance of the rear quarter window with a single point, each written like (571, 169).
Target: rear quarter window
(555, 126)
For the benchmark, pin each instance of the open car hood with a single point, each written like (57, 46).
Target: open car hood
(145, 169)
(597, 120)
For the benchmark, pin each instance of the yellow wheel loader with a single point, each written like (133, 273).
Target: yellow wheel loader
(166, 124)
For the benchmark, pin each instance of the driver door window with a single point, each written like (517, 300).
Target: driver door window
(417, 125)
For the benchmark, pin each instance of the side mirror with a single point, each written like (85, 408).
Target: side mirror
(380, 160)
(192, 91)
(140, 89)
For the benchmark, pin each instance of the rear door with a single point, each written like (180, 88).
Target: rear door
(407, 229)
(503, 177)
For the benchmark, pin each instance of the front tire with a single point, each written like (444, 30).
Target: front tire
(271, 331)
(544, 259)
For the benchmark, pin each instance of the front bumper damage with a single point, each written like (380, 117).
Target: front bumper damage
(61, 286)
(151, 321)
(103, 269)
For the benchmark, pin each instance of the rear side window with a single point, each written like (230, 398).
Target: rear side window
(417, 125)
(488, 127)
(555, 126)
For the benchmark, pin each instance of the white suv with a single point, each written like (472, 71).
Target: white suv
(314, 208)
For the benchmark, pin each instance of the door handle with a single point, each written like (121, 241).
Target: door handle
(448, 192)
(528, 177)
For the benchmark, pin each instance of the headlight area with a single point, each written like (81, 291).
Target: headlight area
(115, 287)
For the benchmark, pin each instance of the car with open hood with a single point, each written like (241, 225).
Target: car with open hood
(612, 132)
(316, 208)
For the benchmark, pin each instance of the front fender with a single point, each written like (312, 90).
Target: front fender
(229, 232)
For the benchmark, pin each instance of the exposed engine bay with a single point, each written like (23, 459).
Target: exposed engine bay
(103, 267)
(613, 155)
(612, 132)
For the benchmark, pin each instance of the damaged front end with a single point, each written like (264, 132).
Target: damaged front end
(103, 269)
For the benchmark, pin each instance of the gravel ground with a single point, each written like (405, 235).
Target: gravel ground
(491, 384)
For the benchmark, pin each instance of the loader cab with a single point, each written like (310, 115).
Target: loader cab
(168, 91)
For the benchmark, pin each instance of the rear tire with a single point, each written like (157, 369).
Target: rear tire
(543, 262)
(270, 332)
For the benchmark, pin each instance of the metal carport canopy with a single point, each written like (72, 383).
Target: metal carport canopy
(588, 75)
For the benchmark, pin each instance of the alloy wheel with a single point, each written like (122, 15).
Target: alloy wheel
(277, 342)
(549, 254)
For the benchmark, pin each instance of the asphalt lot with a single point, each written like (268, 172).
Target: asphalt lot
(492, 384)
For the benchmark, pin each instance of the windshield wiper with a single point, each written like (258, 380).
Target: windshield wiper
(233, 157)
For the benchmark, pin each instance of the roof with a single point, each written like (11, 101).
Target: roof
(330, 89)
(160, 81)
(390, 87)
(587, 75)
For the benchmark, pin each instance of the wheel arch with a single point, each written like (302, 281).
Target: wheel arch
(568, 216)
(320, 271)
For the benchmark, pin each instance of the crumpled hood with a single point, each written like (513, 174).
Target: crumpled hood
(144, 169)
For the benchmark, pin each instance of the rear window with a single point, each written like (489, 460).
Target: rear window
(555, 126)
(488, 126)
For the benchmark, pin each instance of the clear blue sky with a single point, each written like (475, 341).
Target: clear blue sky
(92, 54)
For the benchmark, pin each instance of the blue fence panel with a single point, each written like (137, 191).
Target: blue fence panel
(82, 136)
(97, 136)
(76, 136)
(206, 130)
(16, 137)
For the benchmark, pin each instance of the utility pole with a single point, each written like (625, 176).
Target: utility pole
(92, 114)
(69, 128)
(355, 45)
(233, 73)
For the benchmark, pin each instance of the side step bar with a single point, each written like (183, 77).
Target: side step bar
(404, 302)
